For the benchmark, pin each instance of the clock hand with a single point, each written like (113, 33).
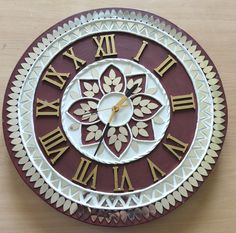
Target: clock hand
(106, 130)
(128, 93)
(98, 110)
(115, 109)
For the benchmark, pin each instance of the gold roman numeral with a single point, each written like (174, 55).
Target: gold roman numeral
(178, 146)
(165, 65)
(181, 102)
(55, 78)
(45, 108)
(51, 142)
(154, 170)
(124, 180)
(140, 52)
(81, 175)
(77, 61)
(109, 47)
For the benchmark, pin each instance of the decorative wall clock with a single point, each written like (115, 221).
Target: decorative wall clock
(114, 116)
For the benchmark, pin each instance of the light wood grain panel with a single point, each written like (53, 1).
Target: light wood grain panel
(213, 24)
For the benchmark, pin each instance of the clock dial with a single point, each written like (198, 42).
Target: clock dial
(115, 121)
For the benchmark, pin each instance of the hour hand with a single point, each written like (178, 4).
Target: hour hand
(130, 91)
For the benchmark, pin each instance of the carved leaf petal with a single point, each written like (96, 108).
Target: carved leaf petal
(135, 131)
(116, 81)
(118, 145)
(158, 120)
(111, 131)
(130, 83)
(112, 74)
(143, 132)
(92, 104)
(101, 149)
(123, 131)
(144, 102)
(141, 125)
(118, 87)
(138, 81)
(79, 112)
(95, 88)
(106, 88)
(107, 80)
(134, 146)
(93, 117)
(74, 95)
(92, 128)
(138, 112)
(89, 93)
(122, 138)
(151, 91)
(98, 134)
(146, 110)
(85, 106)
(137, 100)
(112, 139)
(74, 126)
(88, 86)
(90, 136)
(152, 106)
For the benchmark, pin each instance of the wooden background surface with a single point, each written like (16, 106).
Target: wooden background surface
(213, 24)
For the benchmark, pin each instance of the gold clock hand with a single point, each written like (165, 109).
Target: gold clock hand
(128, 93)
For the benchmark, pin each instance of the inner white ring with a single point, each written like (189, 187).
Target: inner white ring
(129, 154)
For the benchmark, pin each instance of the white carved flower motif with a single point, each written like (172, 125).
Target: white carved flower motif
(118, 139)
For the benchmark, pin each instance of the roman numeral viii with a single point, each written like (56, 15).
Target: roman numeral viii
(105, 45)
(82, 176)
(52, 143)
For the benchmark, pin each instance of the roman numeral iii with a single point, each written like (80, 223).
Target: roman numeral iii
(82, 176)
(165, 65)
(53, 144)
(182, 102)
(105, 45)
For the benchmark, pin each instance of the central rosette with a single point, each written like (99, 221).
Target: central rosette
(122, 117)
(133, 131)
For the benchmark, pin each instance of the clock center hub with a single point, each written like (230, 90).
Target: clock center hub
(123, 115)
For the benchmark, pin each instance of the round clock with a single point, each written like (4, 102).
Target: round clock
(114, 116)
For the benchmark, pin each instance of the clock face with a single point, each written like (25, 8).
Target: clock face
(114, 117)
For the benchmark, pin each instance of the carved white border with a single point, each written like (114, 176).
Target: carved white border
(162, 33)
